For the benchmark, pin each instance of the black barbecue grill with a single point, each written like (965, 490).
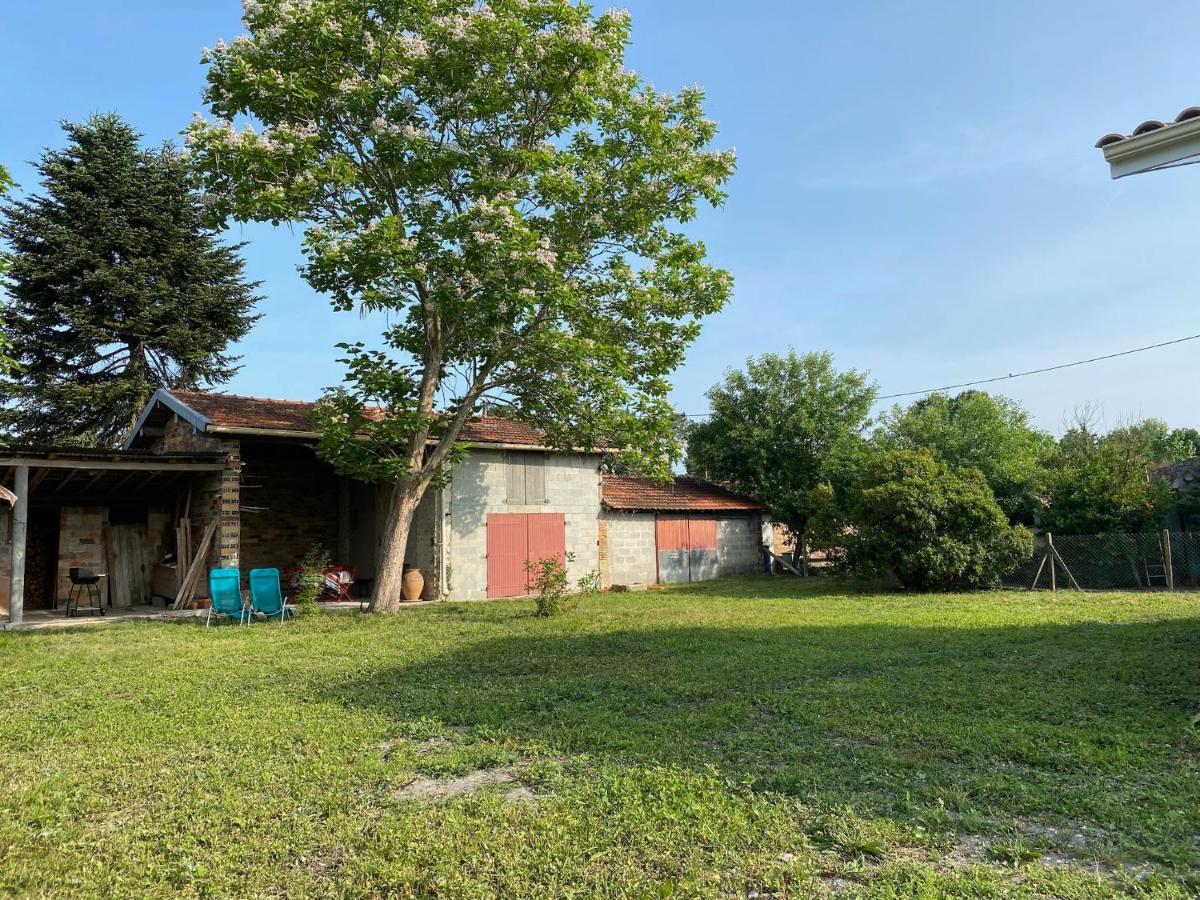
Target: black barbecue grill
(84, 582)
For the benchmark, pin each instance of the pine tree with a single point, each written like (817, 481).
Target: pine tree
(6, 362)
(117, 287)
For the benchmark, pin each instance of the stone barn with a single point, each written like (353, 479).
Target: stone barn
(245, 470)
(680, 531)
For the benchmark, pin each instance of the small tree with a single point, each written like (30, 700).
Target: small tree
(978, 431)
(490, 176)
(776, 426)
(1101, 483)
(1186, 439)
(931, 527)
(117, 288)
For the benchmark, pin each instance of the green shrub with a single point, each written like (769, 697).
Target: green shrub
(589, 582)
(548, 579)
(312, 577)
(932, 528)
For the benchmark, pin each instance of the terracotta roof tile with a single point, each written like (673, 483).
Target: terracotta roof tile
(628, 492)
(1148, 126)
(234, 412)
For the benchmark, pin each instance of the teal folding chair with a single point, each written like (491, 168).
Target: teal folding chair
(225, 587)
(265, 595)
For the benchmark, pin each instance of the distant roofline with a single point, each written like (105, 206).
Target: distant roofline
(166, 398)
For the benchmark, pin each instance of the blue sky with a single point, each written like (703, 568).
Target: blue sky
(917, 189)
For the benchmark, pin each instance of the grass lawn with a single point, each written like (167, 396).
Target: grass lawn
(743, 738)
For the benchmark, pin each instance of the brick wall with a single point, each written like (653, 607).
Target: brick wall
(290, 502)
(80, 543)
(480, 486)
(215, 498)
(182, 437)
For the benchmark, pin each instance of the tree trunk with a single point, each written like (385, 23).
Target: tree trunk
(389, 577)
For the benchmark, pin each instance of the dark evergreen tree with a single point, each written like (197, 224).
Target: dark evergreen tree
(117, 286)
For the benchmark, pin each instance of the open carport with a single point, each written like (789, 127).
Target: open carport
(106, 510)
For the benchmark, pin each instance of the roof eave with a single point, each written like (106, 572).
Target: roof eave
(310, 436)
(1166, 147)
(622, 507)
(167, 399)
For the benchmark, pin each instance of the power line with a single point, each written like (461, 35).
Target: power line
(1011, 375)
(1070, 365)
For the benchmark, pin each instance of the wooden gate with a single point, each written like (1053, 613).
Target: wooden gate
(513, 539)
(687, 549)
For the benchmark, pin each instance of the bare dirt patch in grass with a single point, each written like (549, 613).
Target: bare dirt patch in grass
(439, 790)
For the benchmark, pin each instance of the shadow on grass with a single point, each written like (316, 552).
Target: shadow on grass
(1084, 721)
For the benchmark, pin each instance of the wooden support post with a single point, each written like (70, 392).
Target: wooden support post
(1041, 565)
(1062, 562)
(20, 527)
(1053, 557)
(1167, 563)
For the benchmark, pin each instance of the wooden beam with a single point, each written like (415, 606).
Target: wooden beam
(122, 482)
(20, 523)
(138, 465)
(71, 473)
(95, 478)
(38, 475)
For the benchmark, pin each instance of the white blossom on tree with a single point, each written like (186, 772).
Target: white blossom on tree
(490, 176)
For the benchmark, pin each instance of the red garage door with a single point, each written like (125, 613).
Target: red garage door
(687, 548)
(516, 538)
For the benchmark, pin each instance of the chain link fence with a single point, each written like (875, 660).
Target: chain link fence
(1098, 562)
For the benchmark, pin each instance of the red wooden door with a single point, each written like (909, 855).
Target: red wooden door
(507, 550)
(516, 538)
(547, 537)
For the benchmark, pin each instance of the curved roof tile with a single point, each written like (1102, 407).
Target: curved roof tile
(1148, 126)
(684, 494)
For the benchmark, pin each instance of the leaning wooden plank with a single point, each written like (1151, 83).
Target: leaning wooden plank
(195, 567)
(193, 573)
(783, 562)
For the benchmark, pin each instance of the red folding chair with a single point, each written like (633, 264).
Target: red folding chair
(338, 581)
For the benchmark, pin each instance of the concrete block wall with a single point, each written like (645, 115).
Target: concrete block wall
(629, 548)
(739, 546)
(480, 486)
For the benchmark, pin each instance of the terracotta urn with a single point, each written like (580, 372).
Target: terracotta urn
(412, 585)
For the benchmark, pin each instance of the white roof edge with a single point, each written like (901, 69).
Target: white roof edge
(171, 402)
(1163, 147)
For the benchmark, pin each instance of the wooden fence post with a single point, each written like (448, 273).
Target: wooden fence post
(1167, 564)
(1053, 554)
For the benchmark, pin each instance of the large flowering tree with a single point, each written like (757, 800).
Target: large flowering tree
(491, 178)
